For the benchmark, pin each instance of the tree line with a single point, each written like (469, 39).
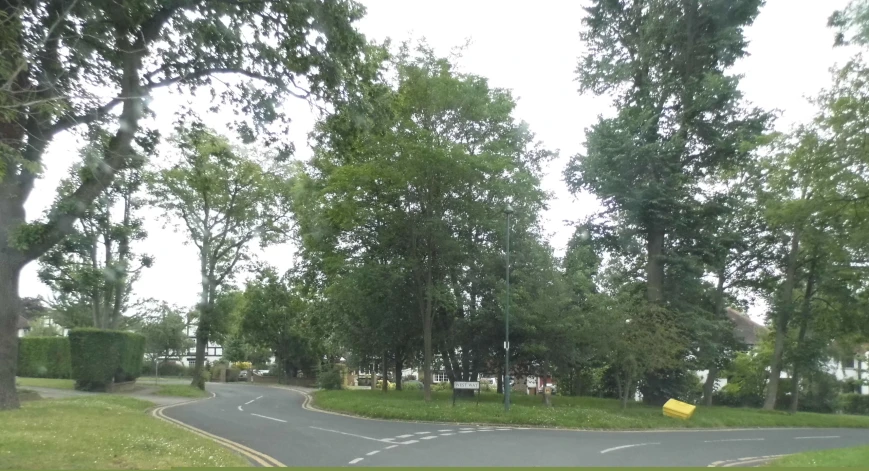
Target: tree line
(399, 216)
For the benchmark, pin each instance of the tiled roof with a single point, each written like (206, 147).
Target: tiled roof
(23, 323)
(747, 330)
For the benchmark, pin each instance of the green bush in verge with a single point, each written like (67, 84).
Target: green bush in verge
(44, 357)
(857, 404)
(330, 378)
(102, 357)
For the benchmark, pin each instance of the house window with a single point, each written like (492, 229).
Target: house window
(848, 363)
(440, 377)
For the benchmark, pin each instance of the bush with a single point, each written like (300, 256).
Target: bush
(445, 386)
(167, 368)
(679, 383)
(411, 385)
(44, 357)
(330, 378)
(854, 404)
(232, 375)
(102, 357)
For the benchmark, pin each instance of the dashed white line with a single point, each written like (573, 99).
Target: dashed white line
(447, 434)
(448, 430)
(409, 442)
(390, 447)
(467, 431)
(270, 418)
(248, 402)
(502, 429)
(258, 398)
(356, 460)
(423, 433)
(735, 440)
(429, 437)
(404, 436)
(626, 446)
(372, 453)
(808, 438)
(350, 434)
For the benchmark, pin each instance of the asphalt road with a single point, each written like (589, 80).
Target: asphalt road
(272, 421)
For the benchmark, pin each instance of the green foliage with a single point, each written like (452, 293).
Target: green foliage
(854, 404)
(165, 335)
(102, 357)
(330, 377)
(44, 357)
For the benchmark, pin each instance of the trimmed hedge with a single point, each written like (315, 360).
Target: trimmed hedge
(102, 357)
(44, 357)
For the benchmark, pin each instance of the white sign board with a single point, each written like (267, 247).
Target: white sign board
(467, 385)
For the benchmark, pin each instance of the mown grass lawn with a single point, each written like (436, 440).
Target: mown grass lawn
(180, 390)
(46, 383)
(567, 412)
(841, 458)
(105, 432)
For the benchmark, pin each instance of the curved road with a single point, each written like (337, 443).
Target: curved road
(273, 421)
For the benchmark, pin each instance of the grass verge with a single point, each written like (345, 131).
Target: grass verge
(840, 458)
(180, 390)
(566, 412)
(46, 383)
(105, 432)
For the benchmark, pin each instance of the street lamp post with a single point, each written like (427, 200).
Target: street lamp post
(507, 386)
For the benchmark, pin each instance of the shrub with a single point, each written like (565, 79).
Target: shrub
(102, 357)
(232, 375)
(44, 357)
(243, 365)
(854, 404)
(330, 378)
(411, 385)
(444, 386)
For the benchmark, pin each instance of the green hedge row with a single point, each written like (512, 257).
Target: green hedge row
(854, 404)
(44, 357)
(102, 357)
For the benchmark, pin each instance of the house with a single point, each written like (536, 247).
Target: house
(23, 326)
(213, 351)
(747, 331)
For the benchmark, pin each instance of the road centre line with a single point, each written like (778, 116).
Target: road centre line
(351, 434)
(390, 447)
(356, 460)
(735, 440)
(809, 438)
(270, 418)
(372, 453)
(626, 446)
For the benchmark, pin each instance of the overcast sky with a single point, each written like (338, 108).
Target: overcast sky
(531, 50)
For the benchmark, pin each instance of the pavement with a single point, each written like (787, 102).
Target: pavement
(278, 423)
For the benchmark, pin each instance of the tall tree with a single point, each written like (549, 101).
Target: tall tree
(679, 117)
(225, 202)
(95, 265)
(165, 335)
(65, 64)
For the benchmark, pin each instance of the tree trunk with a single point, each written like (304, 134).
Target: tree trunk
(546, 398)
(373, 384)
(201, 344)
(204, 303)
(426, 335)
(655, 265)
(781, 327)
(805, 315)
(398, 367)
(10, 307)
(385, 367)
(709, 385)
(500, 386)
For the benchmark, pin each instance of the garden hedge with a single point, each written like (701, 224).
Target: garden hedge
(44, 357)
(854, 404)
(102, 357)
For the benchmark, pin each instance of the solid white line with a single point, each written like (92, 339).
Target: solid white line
(372, 453)
(248, 402)
(258, 398)
(356, 460)
(404, 436)
(807, 438)
(409, 442)
(270, 418)
(429, 437)
(390, 447)
(348, 434)
(626, 446)
(735, 440)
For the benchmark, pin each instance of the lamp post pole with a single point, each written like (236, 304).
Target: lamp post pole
(507, 386)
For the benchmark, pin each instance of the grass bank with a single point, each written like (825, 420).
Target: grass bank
(840, 458)
(45, 383)
(180, 390)
(105, 432)
(567, 412)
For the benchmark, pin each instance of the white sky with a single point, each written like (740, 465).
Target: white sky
(531, 50)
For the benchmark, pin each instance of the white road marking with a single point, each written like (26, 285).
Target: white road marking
(448, 430)
(626, 446)
(423, 433)
(429, 437)
(808, 438)
(409, 442)
(239, 408)
(372, 453)
(502, 429)
(447, 434)
(390, 447)
(467, 431)
(356, 460)
(349, 434)
(258, 398)
(248, 402)
(735, 440)
(466, 428)
(404, 436)
(270, 418)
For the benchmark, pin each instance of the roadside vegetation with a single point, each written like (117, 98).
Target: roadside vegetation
(104, 432)
(839, 458)
(565, 412)
(180, 390)
(52, 383)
